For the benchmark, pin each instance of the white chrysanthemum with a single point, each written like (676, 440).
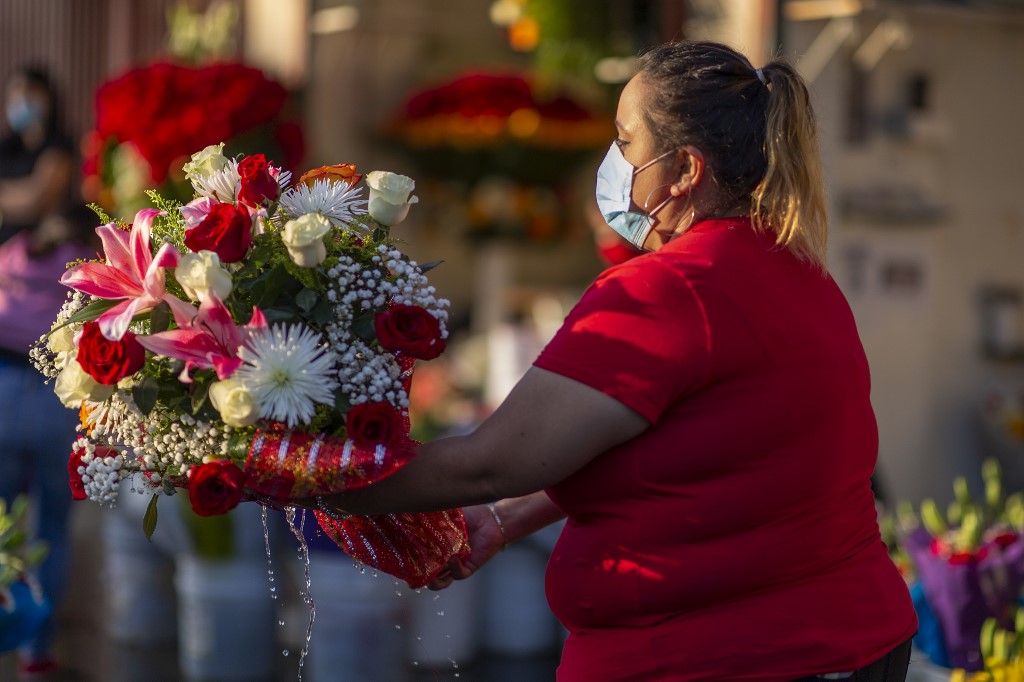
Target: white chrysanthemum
(339, 202)
(224, 184)
(287, 371)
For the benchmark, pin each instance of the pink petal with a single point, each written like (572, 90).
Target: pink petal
(166, 257)
(257, 321)
(184, 313)
(181, 344)
(114, 323)
(216, 319)
(225, 366)
(196, 211)
(102, 281)
(141, 253)
(115, 248)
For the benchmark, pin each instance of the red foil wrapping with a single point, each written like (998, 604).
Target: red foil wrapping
(287, 465)
(290, 465)
(411, 547)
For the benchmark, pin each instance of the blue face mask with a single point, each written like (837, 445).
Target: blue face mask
(22, 115)
(614, 191)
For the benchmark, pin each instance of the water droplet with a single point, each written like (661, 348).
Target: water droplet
(398, 627)
(280, 622)
(440, 613)
(284, 652)
(416, 662)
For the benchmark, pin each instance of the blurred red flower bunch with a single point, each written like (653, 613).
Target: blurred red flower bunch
(483, 109)
(159, 114)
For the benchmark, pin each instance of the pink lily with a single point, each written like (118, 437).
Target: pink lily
(195, 211)
(131, 272)
(209, 340)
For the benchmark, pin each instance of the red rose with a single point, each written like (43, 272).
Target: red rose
(411, 330)
(258, 184)
(373, 424)
(215, 488)
(109, 361)
(75, 478)
(226, 230)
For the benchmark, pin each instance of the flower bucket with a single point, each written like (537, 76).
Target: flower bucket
(225, 620)
(359, 628)
(22, 612)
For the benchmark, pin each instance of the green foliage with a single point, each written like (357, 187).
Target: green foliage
(17, 554)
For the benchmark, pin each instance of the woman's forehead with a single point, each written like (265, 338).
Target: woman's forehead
(629, 116)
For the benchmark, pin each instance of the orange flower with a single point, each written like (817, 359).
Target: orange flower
(340, 172)
(84, 412)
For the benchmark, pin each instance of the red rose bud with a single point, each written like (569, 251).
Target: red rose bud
(109, 361)
(215, 488)
(75, 478)
(411, 330)
(226, 230)
(258, 185)
(373, 424)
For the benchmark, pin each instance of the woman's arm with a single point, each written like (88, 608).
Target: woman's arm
(518, 517)
(548, 428)
(27, 199)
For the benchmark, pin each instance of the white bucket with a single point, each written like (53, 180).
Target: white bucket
(225, 620)
(517, 619)
(358, 631)
(444, 626)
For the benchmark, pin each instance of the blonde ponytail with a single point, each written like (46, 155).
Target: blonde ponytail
(790, 199)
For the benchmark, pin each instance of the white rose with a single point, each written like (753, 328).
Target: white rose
(198, 273)
(206, 162)
(62, 340)
(389, 196)
(304, 238)
(235, 403)
(74, 385)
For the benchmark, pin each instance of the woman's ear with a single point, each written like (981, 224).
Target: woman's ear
(690, 170)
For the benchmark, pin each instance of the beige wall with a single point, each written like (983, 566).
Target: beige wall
(929, 377)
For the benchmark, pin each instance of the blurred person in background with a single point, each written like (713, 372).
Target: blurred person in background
(41, 231)
(702, 418)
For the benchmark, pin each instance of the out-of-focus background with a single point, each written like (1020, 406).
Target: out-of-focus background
(501, 111)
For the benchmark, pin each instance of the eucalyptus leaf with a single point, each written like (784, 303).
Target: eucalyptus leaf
(200, 391)
(150, 518)
(145, 394)
(341, 403)
(160, 318)
(427, 267)
(306, 300)
(323, 312)
(363, 326)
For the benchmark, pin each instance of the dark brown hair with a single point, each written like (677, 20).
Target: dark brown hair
(758, 136)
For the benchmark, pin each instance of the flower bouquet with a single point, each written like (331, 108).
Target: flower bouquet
(969, 563)
(1002, 651)
(256, 343)
(23, 608)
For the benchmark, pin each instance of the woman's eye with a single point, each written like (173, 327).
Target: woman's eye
(620, 143)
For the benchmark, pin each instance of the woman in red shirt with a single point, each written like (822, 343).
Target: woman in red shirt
(703, 416)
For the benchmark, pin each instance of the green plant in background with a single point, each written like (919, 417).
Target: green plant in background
(213, 537)
(17, 554)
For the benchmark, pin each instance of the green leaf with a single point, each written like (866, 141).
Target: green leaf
(90, 312)
(149, 520)
(363, 327)
(160, 318)
(275, 315)
(200, 390)
(323, 312)
(306, 299)
(341, 403)
(145, 394)
(430, 266)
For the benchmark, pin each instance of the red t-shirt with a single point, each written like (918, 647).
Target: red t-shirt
(736, 539)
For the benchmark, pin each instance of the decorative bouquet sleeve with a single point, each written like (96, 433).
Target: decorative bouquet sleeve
(255, 343)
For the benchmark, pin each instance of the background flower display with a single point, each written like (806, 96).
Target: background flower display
(1002, 651)
(506, 147)
(255, 343)
(149, 119)
(969, 564)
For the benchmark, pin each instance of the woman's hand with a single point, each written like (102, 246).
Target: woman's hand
(485, 540)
